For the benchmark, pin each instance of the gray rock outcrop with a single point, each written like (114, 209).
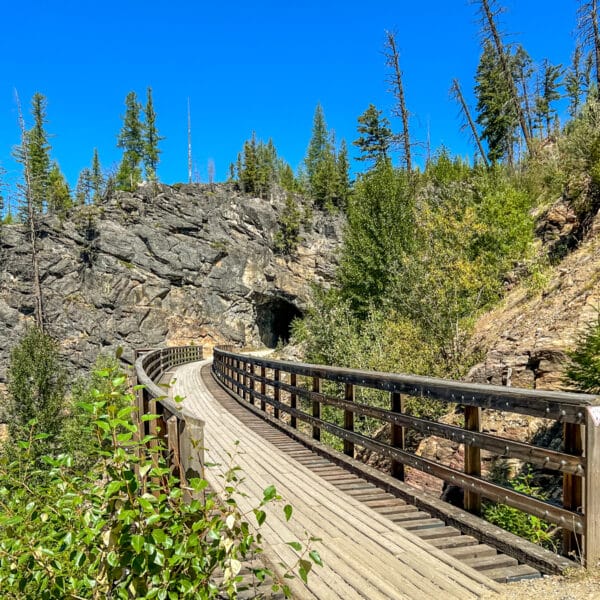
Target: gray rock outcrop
(163, 266)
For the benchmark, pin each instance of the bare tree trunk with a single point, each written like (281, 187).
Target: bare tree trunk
(31, 223)
(393, 61)
(495, 35)
(189, 132)
(457, 92)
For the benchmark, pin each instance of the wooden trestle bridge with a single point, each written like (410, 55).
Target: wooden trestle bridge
(381, 538)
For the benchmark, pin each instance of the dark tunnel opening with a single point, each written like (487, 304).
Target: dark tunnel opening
(274, 318)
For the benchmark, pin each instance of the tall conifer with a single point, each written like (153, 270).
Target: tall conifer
(131, 140)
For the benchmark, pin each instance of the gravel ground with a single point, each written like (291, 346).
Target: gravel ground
(574, 587)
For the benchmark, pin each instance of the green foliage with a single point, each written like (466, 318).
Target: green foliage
(38, 152)
(287, 236)
(59, 195)
(496, 110)
(150, 138)
(545, 111)
(327, 178)
(583, 371)
(375, 135)
(122, 528)
(258, 169)
(36, 388)
(378, 237)
(97, 179)
(520, 523)
(131, 141)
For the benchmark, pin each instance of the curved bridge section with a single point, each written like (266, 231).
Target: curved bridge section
(311, 402)
(180, 428)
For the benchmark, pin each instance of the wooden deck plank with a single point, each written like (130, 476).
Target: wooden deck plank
(351, 532)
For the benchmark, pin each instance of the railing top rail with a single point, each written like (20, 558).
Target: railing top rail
(561, 406)
(155, 390)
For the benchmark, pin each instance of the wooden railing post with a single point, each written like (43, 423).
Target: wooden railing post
(173, 445)
(245, 392)
(191, 452)
(349, 419)
(472, 500)
(252, 383)
(572, 486)
(276, 391)
(293, 400)
(263, 387)
(591, 503)
(316, 408)
(397, 434)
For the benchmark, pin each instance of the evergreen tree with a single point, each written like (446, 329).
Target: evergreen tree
(375, 135)
(343, 176)
(545, 111)
(84, 188)
(589, 33)
(319, 146)
(583, 372)
(38, 151)
(36, 386)
(496, 114)
(59, 194)
(131, 140)
(97, 180)
(150, 139)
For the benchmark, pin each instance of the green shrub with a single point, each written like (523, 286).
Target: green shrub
(583, 371)
(121, 528)
(516, 521)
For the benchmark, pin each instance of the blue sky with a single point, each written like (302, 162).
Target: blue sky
(246, 66)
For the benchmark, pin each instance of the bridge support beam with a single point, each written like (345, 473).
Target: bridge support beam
(472, 500)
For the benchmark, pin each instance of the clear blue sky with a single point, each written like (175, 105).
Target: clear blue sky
(246, 66)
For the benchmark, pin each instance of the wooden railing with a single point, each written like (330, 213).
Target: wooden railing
(293, 392)
(182, 432)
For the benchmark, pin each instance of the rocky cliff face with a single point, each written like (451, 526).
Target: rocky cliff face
(525, 339)
(163, 266)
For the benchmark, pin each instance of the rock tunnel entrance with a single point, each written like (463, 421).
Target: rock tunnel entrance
(274, 317)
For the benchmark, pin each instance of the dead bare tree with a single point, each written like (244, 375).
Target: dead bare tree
(489, 14)
(458, 96)
(393, 62)
(31, 215)
(589, 31)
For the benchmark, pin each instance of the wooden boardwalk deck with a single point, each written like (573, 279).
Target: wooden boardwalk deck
(365, 554)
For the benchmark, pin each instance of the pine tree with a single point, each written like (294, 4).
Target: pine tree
(545, 111)
(343, 176)
(131, 140)
(38, 150)
(59, 194)
(84, 188)
(583, 372)
(496, 114)
(151, 139)
(318, 147)
(589, 32)
(375, 135)
(97, 180)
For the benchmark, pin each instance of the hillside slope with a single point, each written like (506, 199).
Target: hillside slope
(524, 340)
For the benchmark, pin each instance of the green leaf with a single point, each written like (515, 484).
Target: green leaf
(159, 536)
(287, 510)
(315, 557)
(260, 516)
(137, 543)
(269, 493)
(151, 417)
(304, 569)
(297, 546)
(113, 487)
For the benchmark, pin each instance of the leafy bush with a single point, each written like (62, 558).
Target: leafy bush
(583, 371)
(36, 388)
(122, 529)
(516, 521)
